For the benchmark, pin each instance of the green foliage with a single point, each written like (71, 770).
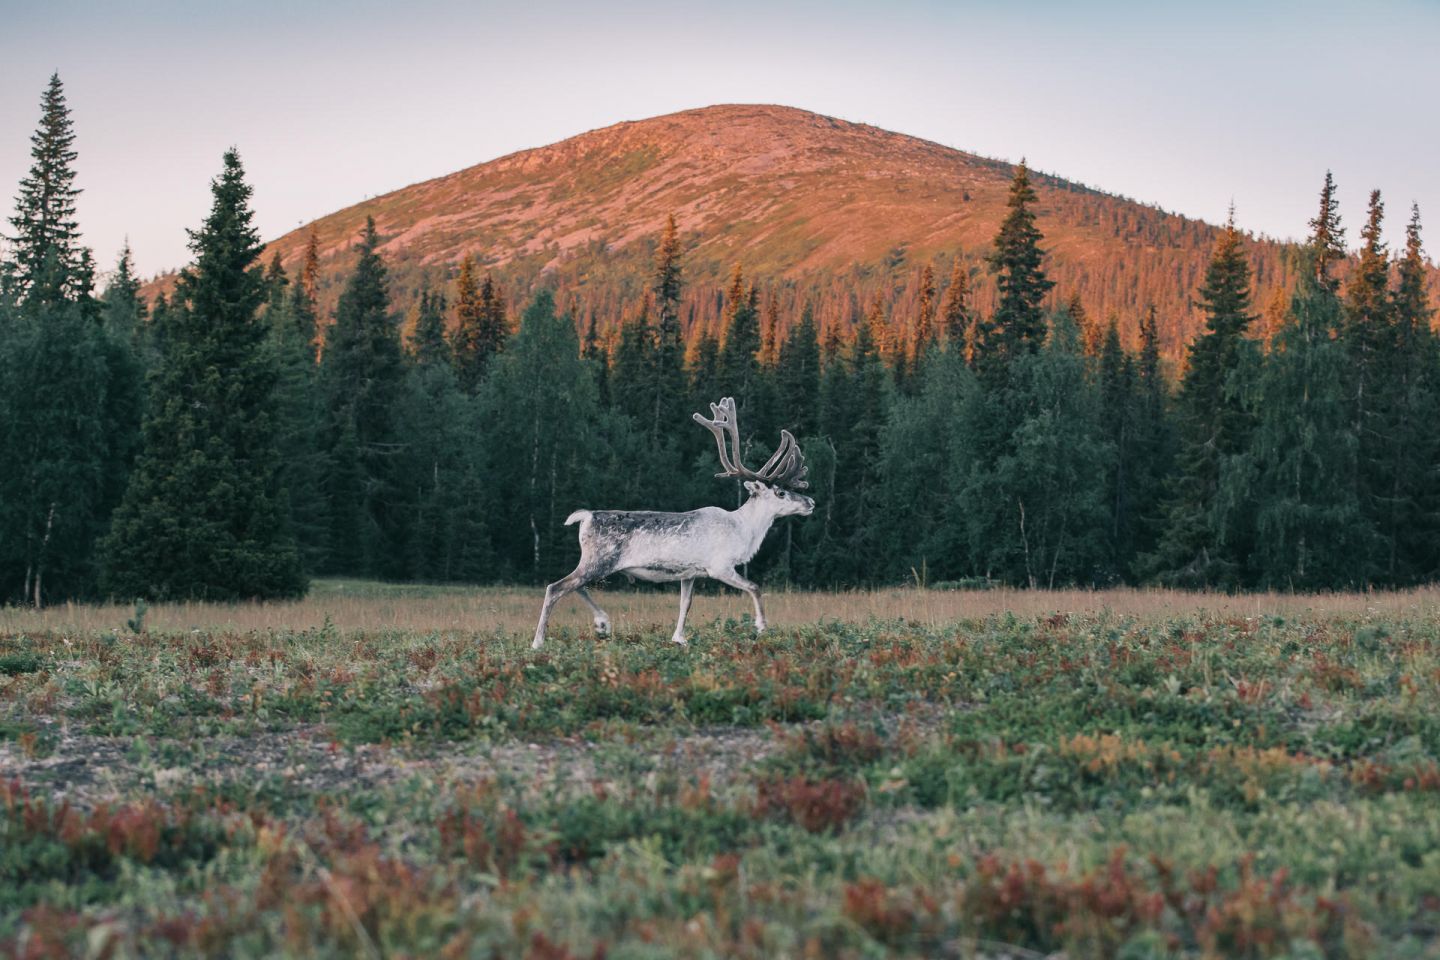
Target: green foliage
(205, 512)
(363, 381)
(1206, 539)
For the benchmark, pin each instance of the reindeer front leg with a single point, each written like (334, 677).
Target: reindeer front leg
(732, 579)
(687, 587)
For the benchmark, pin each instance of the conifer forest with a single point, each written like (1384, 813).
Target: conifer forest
(225, 440)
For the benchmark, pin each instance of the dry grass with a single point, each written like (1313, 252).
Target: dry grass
(363, 606)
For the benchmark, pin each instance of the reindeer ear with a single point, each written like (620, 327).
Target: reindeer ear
(754, 486)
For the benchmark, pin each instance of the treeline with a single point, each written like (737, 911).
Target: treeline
(223, 443)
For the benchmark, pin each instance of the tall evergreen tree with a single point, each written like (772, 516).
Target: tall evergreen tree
(798, 376)
(363, 373)
(1311, 530)
(1368, 333)
(924, 332)
(1327, 237)
(444, 465)
(543, 414)
(123, 306)
(469, 349)
(1405, 499)
(300, 414)
(69, 387)
(956, 312)
(1206, 540)
(204, 515)
(49, 265)
(1018, 324)
(1119, 415)
(739, 366)
(667, 373)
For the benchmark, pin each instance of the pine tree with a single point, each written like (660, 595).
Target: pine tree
(123, 307)
(1119, 411)
(1206, 539)
(204, 515)
(1406, 501)
(1327, 236)
(593, 348)
(798, 376)
(444, 465)
(1018, 325)
(957, 310)
(1312, 532)
(667, 373)
(363, 372)
(924, 333)
(69, 386)
(630, 386)
(310, 266)
(1154, 443)
(427, 342)
(49, 265)
(545, 439)
(469, 347)
(739, 366)
(300, 414)
(1368, 334)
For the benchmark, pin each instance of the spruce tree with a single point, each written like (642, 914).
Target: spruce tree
(122, 305)
(667, 372)
(739, 366)
(544, 441)
(204, 516)
(300, 414)
(70, 390)
(630, 387)
(1119, 415)
(469, 347)
(1327, 237)
(798, 376)
(956, 312)
(1406, 500)
(49, 265)
(1311, 530)
(1368, 333)
(444, 462)
(924, 331)
(1206, 539)
(363, 373)
(1018, 325)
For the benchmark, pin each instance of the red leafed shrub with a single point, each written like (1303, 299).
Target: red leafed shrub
(814, 805)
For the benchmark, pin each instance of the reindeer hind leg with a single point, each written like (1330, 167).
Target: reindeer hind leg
(566, 584)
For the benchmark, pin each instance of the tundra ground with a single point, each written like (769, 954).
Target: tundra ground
(392, 772)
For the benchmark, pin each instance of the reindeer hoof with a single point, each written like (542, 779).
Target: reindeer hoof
(680, 641)
(537, 643)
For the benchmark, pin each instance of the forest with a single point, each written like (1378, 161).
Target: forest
(226, 441)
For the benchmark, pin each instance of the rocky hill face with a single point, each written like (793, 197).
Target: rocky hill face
(816, 209)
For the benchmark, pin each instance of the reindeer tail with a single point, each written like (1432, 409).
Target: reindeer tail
(579, 516)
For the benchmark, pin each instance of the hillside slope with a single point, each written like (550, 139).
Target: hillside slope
(815, 208)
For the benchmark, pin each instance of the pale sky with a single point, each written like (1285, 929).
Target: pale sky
(1189, 106)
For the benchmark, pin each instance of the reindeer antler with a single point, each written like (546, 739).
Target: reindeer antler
(786, 466)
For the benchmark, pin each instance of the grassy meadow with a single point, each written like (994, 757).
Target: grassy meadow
(386, 771)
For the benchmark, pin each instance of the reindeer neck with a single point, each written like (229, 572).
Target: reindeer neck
(756, 517)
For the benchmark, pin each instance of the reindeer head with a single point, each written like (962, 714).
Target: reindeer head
(777, 481)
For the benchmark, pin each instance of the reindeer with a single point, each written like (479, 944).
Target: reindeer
(709, 542)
